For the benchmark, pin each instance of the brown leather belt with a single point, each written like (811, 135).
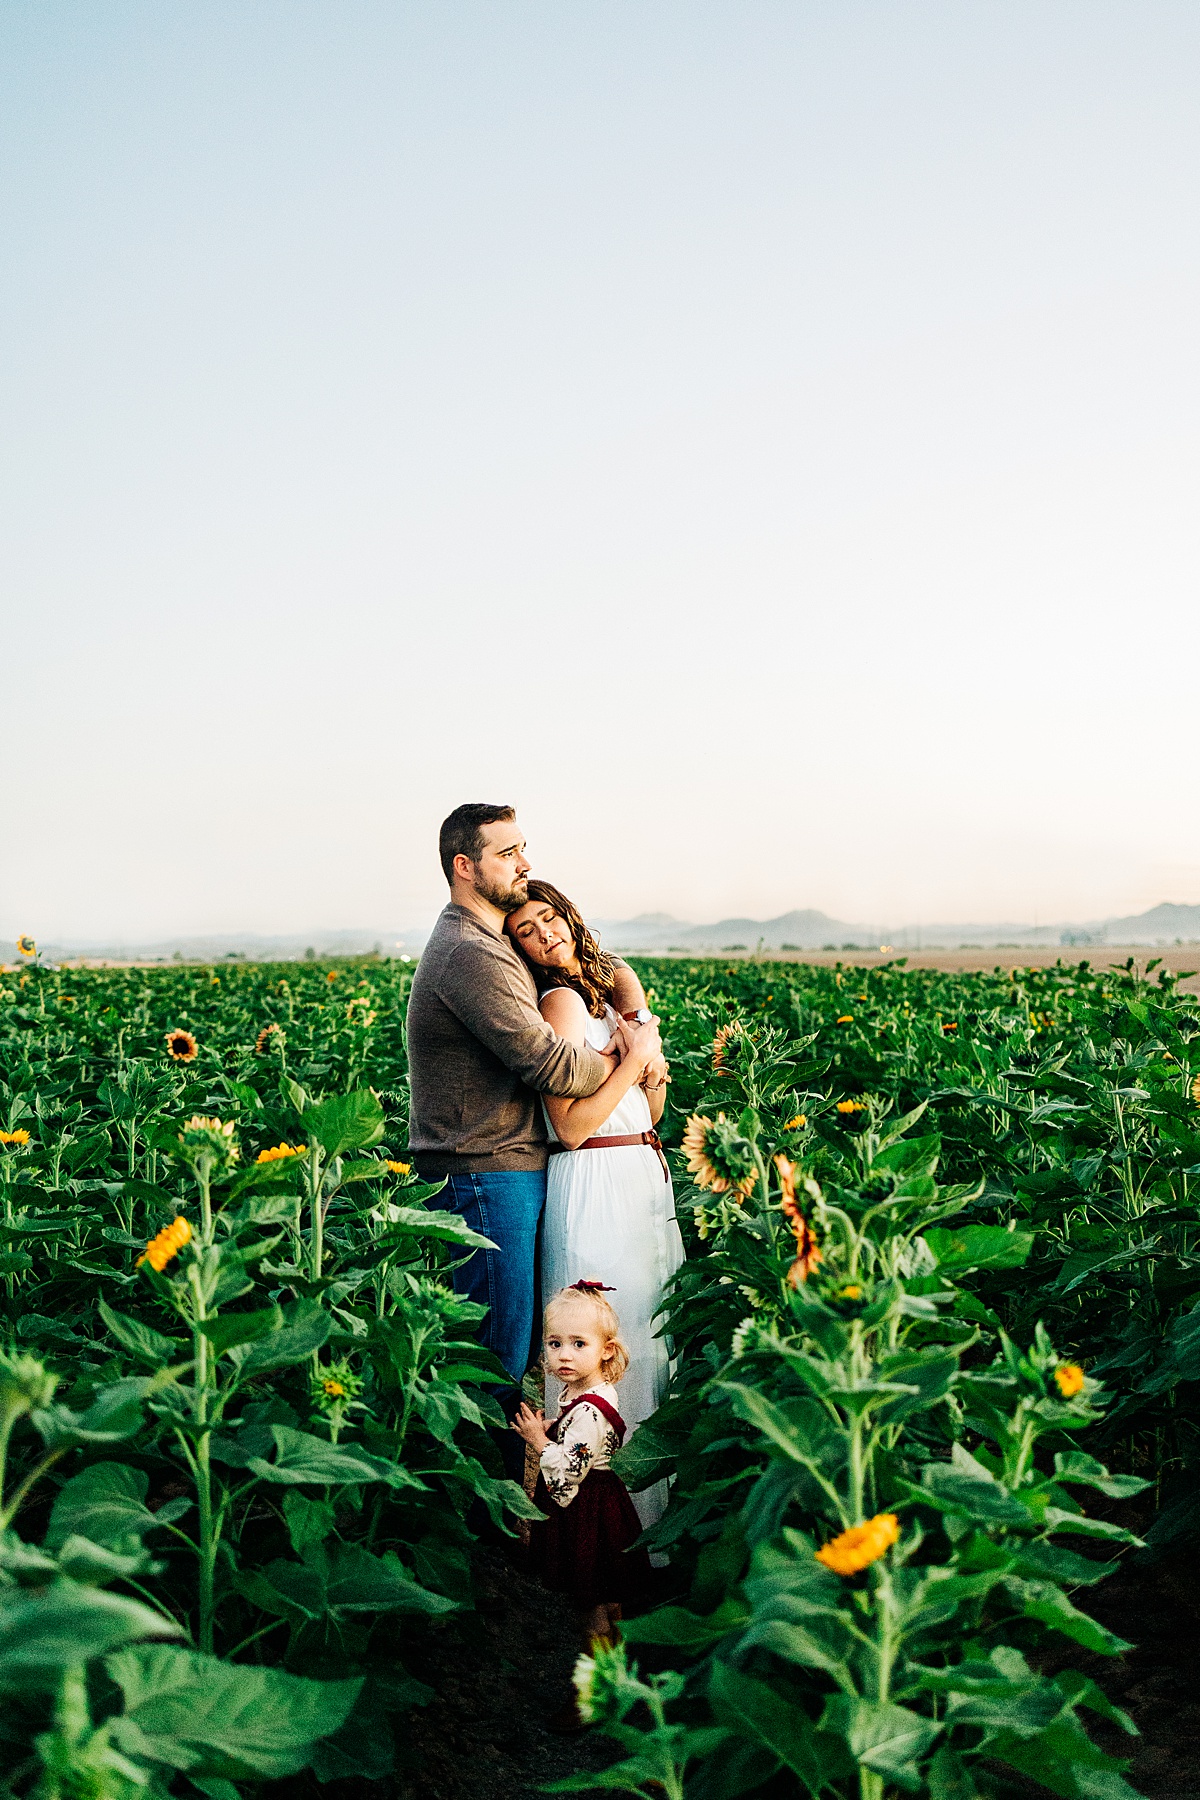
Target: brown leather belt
(650, 1137)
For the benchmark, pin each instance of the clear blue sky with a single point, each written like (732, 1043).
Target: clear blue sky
(759, 439)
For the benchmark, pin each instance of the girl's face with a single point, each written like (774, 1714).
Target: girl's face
(545, 938)
(575, 1350)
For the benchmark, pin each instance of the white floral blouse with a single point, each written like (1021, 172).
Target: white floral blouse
(585, 1440)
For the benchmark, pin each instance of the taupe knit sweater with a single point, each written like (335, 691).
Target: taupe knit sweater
(480, 1052)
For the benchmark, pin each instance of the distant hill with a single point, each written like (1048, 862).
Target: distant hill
(808, 929)
(1161, 925)
(802, 929)
(255, 947)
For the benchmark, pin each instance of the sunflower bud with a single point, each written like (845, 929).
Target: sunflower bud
(208, 1143)
(25, 1385)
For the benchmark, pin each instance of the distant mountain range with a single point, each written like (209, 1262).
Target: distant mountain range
(803, 929)
(216, 947)
(807, 929)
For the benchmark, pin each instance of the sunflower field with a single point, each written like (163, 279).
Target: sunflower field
(935, 1340)
(243, 1416)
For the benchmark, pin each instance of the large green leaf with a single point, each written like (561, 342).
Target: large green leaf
(231, 1330)
(44, 1633)
(884, 1737)
(929, 1373)
(233, 1719)
(443, 1406)
(646, 1456)
(106, 1503)
(1064, 1759)
(301, 1458)
(115, 1414)
(1074, 1465)
(415, 1221)
(345, 1122)
(979, 1247)
(149, 1346)
(766, 1418)
(965, 1486)
(294, 1333)
(751, 1708)
(1043, 1600)
(684, 1630)
(356, 1581)
(499, 1495)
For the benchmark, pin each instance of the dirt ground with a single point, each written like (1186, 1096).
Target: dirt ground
(1158, 1610)
(499, 1673)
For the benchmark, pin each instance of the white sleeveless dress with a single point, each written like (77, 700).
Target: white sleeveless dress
(610, 1216)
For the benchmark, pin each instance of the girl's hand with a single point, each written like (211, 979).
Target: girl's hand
(531, 1426)
(657, 1072)
(639, 1042)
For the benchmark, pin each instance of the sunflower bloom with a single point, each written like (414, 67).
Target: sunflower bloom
(14, 1140)
(693, 1145)
(166, 1244)
(332, 975)
(808, 1253)
(333, 1388)
(262, 1041)
(280, 1151)
(26, 945)
(796, 1123)
(850, 1106)
(719, 1046)
(398, 1168)
(846, 1019)
(854, 1549)
(1068, 1378)
(1196, 1090)
(705, 1140)
(181, 1046)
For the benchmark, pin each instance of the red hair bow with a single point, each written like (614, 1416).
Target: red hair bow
(591, 1287)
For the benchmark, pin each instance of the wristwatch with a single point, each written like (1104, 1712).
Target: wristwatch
(642, 1016)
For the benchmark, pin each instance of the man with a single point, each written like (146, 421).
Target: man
(479, 1054)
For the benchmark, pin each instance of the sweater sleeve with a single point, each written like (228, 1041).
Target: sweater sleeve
(497, 1008)
(564, 1465)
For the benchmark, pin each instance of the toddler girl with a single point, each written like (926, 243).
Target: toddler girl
(582, 1547)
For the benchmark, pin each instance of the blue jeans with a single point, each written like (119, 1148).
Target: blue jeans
(506, 1206)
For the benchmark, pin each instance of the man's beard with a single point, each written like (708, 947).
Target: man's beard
(506, 900)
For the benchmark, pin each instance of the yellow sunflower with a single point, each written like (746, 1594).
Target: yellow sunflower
(1069, 1379)
(852, 1550)
(166, 1244)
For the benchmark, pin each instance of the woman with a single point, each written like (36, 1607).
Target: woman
(610, 1209)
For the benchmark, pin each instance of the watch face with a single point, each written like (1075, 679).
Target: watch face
(643, 1015)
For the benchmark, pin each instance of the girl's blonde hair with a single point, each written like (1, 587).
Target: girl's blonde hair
(591, 1301)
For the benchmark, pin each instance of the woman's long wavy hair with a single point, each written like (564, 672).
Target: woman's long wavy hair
(597, 974)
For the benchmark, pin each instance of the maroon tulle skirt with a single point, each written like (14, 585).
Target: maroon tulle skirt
(582, 1550)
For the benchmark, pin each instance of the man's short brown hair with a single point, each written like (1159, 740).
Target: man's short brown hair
(462, 832)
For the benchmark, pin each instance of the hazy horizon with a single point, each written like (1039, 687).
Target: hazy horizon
(758, 441)
(392, 938)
